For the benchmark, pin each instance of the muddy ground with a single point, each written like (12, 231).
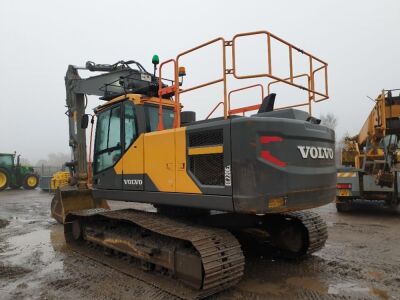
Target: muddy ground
(360, 261)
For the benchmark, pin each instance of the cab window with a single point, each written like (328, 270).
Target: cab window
(107, 150)
(152, 117)
(6, 160)
(130, 124)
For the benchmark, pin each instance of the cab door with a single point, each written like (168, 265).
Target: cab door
(133, 158)
(108, 149)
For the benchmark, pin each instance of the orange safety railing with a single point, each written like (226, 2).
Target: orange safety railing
(223, 70)
(307, 103)
(246, 108)
(290, 79)
(214, 109)
(169, 90)
(314, 95)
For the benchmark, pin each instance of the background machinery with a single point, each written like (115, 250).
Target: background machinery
(55, 181)
(371, 159)
(212, 181)
(14, 175)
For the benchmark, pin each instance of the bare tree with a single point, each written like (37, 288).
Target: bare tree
(25, 161)
(54, 159)
(329, 120)
(339, 145)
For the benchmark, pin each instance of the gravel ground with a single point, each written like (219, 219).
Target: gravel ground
(361, 260)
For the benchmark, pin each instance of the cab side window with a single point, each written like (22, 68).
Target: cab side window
(152, 118)
(107, 150)
(130, 125)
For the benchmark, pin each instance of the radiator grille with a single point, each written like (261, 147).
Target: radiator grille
(208, 168)
(206, 138)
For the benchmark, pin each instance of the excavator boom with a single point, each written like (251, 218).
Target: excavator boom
(117, 80)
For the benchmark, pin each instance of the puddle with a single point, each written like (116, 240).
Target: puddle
(38, 247)
(346, 287)
(28, 258)
(376, 275)
(308, 283)
(262, 288)
(350, 288)
(380, 293)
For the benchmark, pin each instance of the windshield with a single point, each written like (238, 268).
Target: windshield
(152, 117)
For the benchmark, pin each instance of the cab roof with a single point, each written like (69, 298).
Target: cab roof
(138, 99)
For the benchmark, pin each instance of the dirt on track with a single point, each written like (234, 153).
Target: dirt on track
(361, 260)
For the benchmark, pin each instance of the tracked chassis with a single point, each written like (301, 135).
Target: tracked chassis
(184, 258)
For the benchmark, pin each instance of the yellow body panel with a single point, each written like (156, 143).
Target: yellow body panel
(206, 150)
(133, 160)
(162, 156)
(375, 126)
(159, 159)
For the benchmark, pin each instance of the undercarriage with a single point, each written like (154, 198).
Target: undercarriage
(189, 257)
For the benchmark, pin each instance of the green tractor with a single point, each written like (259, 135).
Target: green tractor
(14, 175)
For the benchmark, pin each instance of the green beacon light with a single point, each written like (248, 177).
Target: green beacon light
(155, 60)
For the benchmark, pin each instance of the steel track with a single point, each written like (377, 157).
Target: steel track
(220, 252)
(316, 228)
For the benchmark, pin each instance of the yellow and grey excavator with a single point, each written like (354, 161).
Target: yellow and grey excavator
(370, 160)
(211, 180)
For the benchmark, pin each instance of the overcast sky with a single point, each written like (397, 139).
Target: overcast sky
(360, 40)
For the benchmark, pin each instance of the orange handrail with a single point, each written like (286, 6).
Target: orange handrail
(310, 98)
(214, 109)
(167, 90)
(269, 74)
(314, 95)
(222, 79)
(242, 89)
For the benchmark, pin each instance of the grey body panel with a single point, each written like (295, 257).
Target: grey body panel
(108, 179)
(302, 182)
(212, 202)
(363, 186)
(370, 185)
(294, 114)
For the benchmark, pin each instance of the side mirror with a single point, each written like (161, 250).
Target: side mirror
(85, 121)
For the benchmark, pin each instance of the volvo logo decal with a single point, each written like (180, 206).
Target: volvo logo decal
(315, 152)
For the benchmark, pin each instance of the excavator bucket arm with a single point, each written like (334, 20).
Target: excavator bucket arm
(114, 80)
